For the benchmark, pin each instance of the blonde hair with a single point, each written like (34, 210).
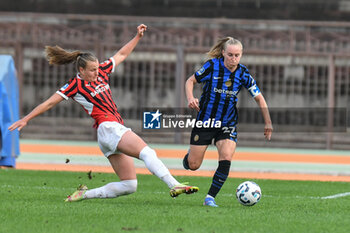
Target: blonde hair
(58, 56)
(221, 44)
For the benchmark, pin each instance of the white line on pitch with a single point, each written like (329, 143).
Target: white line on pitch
(336, 195)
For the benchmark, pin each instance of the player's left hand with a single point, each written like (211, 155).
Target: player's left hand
(141, 29)
(268, 131)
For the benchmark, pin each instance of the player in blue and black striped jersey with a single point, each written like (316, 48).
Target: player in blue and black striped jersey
(223, 77)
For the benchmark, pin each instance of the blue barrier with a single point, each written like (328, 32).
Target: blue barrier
(9, 111)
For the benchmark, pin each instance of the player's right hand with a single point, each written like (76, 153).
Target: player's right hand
(194, 104)
(268, 131)
(18, 124)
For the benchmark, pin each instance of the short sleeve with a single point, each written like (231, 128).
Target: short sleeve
(250, 84)
(108, 66)
(69, 89)
(204, 73)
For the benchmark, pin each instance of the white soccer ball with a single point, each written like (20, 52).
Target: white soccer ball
(248, 193)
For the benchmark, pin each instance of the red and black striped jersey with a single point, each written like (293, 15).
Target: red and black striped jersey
(94, 97)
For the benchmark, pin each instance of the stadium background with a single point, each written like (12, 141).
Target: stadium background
(297, 51)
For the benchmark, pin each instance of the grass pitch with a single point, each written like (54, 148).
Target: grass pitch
(32, 201)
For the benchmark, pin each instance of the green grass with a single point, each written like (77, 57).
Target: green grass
(32, 201)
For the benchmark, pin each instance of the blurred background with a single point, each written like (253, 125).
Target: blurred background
(298, 52)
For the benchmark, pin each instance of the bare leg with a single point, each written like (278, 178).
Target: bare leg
(132, 145)
(193, 160)
(123, 166)
(226, 149)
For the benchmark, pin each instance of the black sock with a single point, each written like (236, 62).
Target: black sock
(219, 177)
(185, 162)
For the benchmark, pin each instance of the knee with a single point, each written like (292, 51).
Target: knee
(193, 165)
(146, 153)
(189, 165)
(130, 186)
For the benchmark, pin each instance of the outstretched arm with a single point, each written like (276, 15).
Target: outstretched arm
(260, 100)
(192, 102)
(124, 52)
(43, 107)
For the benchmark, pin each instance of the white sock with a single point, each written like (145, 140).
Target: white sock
(209, 196)
(114, 189)
(156, 166)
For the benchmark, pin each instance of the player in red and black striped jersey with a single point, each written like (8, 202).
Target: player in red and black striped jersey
(90, 88)
(95, 97)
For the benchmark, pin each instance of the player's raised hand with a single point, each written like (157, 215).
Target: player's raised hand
(141, 30)
(268, 131)
(18, 124)
(194, 104)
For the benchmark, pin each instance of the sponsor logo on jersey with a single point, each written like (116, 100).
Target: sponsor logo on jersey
(64, 87)
(200, 71)
(100, 88)
(227, 92)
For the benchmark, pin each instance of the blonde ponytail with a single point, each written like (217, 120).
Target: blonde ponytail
(221, 44)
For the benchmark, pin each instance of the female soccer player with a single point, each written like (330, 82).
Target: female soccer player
(90, 88)
(223, 77)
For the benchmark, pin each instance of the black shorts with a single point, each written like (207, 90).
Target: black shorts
(205, 136)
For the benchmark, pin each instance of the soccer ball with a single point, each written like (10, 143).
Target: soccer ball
(248, 193)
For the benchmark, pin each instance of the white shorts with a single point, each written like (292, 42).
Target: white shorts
(109, 134)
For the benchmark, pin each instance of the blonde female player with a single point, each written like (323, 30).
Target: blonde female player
(223, 77)
(90, 88)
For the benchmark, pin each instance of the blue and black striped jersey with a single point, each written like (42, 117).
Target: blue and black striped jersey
(220, 90)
